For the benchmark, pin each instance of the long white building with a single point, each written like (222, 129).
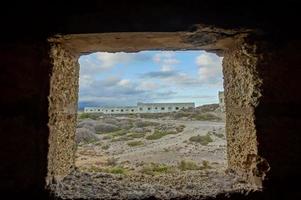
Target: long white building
(141, 108)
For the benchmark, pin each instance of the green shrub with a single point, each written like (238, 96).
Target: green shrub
(136, 135)
(156, 135)
(88, 116)
(118, 133)
(107, 137)
(105, 147)
(116, 170)
(154, 168)
(135, 143)
(188, 165)
(203, 140)
(141, 124)
(93, 169)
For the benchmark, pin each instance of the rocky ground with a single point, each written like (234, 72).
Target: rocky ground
(187, 185)
(180, 155)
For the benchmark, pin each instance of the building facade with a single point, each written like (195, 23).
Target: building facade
(141, 108)
(221, 99)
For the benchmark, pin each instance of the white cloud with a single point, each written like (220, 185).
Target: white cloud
(85, 81)
(109, 60)
(166, 58)
(166, 68)
(99, 62)
(209, 68)
(170, 61)
(124, 83)
(147, 85)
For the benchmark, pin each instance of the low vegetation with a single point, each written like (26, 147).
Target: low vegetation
(88, 116)
(111, 170)
(135, 143)
(157, 135)
(185, 165)
(155, 169)
(142, 124)
(113, 137)
(116, 170)
(206, 117)
(136, 135)
(118, 133)
(188, 165)
(202, 139)
(219, 135)
(105, 147)
(107, 137)
(121, 138)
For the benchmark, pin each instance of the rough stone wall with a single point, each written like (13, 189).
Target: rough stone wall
(62, 111)
(262, 99)
(242, 85)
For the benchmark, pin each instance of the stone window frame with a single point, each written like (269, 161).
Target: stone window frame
(243, 156)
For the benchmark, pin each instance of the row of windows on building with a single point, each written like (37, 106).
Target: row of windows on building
(132, 110)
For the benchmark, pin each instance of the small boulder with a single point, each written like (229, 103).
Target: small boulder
(102, 127)
(85, 135)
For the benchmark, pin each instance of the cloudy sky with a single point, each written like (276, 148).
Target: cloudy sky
(111, 79)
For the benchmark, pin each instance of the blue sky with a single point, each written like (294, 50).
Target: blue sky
(119, 79)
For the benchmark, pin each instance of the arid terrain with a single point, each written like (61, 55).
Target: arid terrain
(173, 155)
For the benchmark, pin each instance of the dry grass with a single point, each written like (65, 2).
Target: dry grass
(188, 165)
(202, 139)
(111, 170)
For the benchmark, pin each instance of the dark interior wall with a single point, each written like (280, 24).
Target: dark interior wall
(24, 89)
(27, 19)
(26, 69)
(278, 114)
